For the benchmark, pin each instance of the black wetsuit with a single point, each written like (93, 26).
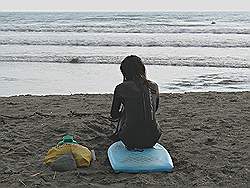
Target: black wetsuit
(135, 106)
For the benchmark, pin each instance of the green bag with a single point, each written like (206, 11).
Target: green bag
(67, 139)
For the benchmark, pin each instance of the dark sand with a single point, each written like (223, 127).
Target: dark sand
(207, 135)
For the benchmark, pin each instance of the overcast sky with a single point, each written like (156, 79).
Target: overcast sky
(125, 5)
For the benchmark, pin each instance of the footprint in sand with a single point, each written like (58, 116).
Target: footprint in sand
(210, 142)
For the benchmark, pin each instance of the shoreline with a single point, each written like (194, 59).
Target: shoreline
(206, 134)
(83, 94)
(47, 78)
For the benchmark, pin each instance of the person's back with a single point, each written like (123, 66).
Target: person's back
(139, 100)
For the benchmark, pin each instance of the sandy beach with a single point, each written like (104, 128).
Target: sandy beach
(207, 135)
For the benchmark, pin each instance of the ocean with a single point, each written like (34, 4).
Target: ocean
(184, 51)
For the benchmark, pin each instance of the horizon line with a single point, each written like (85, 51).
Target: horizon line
(124, 10)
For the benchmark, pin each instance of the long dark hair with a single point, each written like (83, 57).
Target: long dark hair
(133, 69)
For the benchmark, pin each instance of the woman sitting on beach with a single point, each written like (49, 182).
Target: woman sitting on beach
(134, 105)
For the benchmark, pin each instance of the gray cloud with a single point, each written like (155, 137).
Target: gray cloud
(126, 5)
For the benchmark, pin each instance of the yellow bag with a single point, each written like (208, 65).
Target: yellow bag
(81, 154)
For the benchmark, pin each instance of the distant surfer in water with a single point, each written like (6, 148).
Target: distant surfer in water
(134, 105)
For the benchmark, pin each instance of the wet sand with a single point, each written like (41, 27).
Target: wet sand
(207, 135)
(19, 78)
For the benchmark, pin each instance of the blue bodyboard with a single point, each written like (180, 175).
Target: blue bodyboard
(156, 159)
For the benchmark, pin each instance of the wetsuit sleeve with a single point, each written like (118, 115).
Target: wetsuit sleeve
(157, 99)
(116, 104)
